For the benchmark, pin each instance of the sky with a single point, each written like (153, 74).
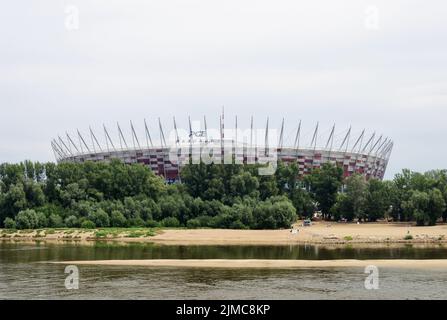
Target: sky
(375, 65)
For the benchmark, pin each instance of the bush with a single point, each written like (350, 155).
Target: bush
(170, 222)
(117, 219)
(136, 222)
(193, 223)
(42, 220)
(408, 237)
(26, 219)
(205, 221)
(263, 219)
(152, 223)
(88, 224)
(56, 221)
(9, 223)
(100, 218)
(238, 225)
(71, 222)
(223, 220)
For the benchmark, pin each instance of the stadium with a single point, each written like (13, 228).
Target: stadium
(364, 154)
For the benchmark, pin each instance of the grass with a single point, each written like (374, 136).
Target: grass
(125, 232)
(408, 237)
(101, 234)
(74, 233)
(348, 238)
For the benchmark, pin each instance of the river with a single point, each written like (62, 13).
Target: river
(25, 273)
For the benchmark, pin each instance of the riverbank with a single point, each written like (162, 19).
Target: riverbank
(266, 264)
(318, 233)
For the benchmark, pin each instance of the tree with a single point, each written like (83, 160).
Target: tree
(436, 206)
(325, 183)
(14, 200)
(171, 222)
(88, 224)
(26, 219)
(117, 219)
(417, 207)
(356, 194)
(55, 221)
(243, 184)
(284, 213)
(42, 220)
(100, 218)
(33, 194)
(377, 200)
(303, 202)
(9, 223)
(72, 193)
(71, 222)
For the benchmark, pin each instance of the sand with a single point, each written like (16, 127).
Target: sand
(318, 233)
(267, 264)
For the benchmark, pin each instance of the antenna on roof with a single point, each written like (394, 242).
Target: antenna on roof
(82, 140)
(63, 143)
(314, 138)
(280, 142)
(108, 138)
(331, 139)
(148, 135)
(94, 140)
(375, 144)
(58, 147)
(369, 141)
(177, 140)
(71, 142)
(121, 136)
(358, 140)
(346, 140)
(134, 136)
(57, 154)
(162, 135)
(296, 144)
(190, 129)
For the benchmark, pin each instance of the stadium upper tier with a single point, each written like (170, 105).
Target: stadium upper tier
(366, 155)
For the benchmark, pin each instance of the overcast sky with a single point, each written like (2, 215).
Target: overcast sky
(379, 65)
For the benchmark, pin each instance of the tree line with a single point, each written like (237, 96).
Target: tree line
(94, 194)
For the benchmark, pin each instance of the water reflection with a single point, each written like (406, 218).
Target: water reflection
(23, 275)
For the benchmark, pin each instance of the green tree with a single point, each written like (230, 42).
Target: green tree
(26, 219)
(325, 184)
(9, 223)
(71, 222)
(436, 206)
(100, 218)
(117, 219)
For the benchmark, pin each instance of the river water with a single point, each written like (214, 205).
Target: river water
(24, 273)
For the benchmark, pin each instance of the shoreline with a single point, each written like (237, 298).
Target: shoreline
(264, 264)
(320, 233)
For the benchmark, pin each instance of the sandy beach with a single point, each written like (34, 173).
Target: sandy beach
(267, 264)
(318, 233)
